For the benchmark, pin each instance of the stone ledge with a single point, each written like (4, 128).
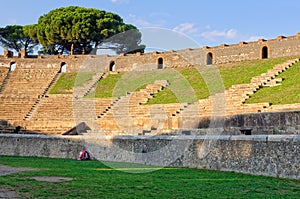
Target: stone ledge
(265, 138)
(28, 136)
(269, 138)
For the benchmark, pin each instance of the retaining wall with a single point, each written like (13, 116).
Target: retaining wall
(268, 123)
(38, 145)
(287, 122)
(271, 155)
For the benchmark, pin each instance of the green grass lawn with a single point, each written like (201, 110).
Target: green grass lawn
(287, 93)
(67, 81)
(92, 179)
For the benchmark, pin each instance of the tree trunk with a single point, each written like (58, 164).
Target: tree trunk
(72, 49)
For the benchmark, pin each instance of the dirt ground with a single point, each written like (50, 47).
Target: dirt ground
(6, 170)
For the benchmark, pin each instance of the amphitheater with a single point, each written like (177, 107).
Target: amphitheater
(220, 132)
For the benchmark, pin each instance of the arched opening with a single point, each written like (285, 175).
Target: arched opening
(63, 67)
(160, 63)
(112, 66)
(12, 66)
(264, 52)
(209, 59)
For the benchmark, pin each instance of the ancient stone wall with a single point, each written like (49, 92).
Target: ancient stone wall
(237, 52)
(271, 155)
(261, 155)
(272, 123)
(274, 48)
(39, 146)
(279, 47)
(267, 123)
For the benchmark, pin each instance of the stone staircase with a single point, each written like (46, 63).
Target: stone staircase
(53, 115)
(52, 83)
(157, 118)
(107, 109)
(127, 113)
(267, 79)
(236, 95)
(58, 113)
(3, 73)
(37, 102)
(136, 98)
(89, 86)
(232, 101)
(93, 86)
(4, 82)
(24, 87)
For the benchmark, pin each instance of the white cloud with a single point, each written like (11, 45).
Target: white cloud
(187, 28)
(230, 34)
(215, 34)
(254, 38)
(140, 22)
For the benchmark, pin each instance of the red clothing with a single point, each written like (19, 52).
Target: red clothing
(84, 155)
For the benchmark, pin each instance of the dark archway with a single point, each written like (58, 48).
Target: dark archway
(63, 67)
(112, 66)
(209, 59)
(12, 66)
(264, 52)
(160, 63)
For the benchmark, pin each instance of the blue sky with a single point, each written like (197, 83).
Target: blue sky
(205, 22)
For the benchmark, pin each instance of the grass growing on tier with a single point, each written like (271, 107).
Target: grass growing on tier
(207, 81)
(242, 72)
(106, 86)
(116, 85)
(187, 84)
(195, 83)
(67, 81)
(166, 96)
(287, 93)
(92, 179)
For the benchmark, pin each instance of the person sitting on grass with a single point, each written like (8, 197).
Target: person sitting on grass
(84, 155)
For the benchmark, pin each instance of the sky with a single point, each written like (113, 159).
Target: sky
(199, 22)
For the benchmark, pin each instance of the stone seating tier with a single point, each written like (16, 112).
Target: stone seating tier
(31, 82)
(56, 114)
(49, 127)
(3, 74)
(14, 108)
